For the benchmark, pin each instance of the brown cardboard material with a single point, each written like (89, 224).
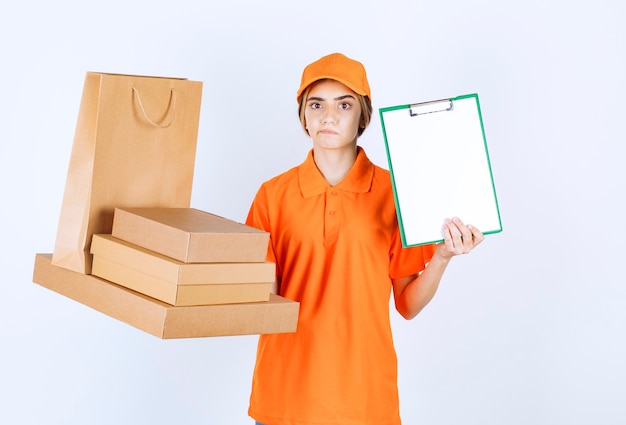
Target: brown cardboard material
(179, 283)
(190, 235)
(278, 315)
(134, 146)
(179, 295)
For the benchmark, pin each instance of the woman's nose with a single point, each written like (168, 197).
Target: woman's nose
(328, 117)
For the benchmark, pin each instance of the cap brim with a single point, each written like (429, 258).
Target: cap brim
(348, 84)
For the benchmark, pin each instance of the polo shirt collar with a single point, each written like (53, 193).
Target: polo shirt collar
(358, 179)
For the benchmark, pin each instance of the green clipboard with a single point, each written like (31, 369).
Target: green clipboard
(440, 167)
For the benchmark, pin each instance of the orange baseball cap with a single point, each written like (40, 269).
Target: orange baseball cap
(338, 67)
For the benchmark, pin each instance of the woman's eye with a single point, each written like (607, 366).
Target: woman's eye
(315, 106)
(344, 105)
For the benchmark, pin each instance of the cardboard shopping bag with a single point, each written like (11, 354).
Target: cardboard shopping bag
(134, 146)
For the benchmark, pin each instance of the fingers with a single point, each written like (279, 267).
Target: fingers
(452, 236)
(477, 235)
(459, 238)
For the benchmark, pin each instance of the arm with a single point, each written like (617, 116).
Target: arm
(412, 293)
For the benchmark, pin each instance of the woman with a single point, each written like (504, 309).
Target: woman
(335, 240)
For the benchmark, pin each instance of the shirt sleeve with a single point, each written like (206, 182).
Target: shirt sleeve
(408, 261)
(258, 217)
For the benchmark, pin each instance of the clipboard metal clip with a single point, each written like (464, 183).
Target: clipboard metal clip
(423, 108)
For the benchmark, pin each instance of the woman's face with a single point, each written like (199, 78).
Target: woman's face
(332, 115)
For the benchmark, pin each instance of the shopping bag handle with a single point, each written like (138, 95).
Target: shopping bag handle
(145, 115)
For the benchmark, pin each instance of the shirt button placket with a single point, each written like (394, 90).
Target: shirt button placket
(332, 215)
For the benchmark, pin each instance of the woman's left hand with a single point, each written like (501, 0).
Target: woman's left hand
(458, 238)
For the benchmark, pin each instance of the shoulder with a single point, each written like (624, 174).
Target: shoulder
(379, 171)
(381, 178)
(278, 187)
(281, 180)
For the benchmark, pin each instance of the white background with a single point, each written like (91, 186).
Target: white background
(530, 328)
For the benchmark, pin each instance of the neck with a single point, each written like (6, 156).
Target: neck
(334, 164)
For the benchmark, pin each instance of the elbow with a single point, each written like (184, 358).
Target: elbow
(408, 317)
(407, 313)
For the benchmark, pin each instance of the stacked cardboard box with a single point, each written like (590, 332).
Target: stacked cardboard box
(184, 256)
(178, 273)
(179, 283)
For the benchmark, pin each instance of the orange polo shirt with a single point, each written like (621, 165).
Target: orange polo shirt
(336, 249)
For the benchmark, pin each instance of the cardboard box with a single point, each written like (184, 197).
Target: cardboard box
(179, 283)
(278, 315)
(190, 235)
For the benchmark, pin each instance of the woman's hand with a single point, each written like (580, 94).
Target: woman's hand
(458, 238)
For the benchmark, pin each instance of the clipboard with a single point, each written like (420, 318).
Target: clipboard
(440, 167)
